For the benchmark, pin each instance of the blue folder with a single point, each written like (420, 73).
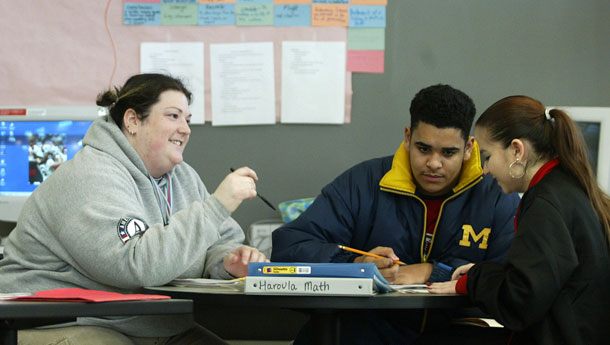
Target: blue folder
(335, 270)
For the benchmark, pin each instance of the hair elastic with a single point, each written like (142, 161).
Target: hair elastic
(547, 113)
(116, 99)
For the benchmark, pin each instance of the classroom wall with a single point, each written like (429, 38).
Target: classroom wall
(554, 50)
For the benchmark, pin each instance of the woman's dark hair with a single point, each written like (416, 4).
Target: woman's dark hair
(139, 93)
(522, 117)
(443, 107)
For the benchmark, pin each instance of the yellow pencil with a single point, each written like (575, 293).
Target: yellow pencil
(357, 251)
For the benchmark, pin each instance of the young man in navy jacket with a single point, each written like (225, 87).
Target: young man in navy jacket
(429, 206)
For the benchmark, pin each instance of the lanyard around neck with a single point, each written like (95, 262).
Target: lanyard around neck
(164, 196)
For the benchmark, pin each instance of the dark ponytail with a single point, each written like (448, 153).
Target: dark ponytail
(522, 117)
(139, 93)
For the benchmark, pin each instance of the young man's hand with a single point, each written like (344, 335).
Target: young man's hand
(413, 274)
(387, 260)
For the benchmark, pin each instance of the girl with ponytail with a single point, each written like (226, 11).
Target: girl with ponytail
(554, 287)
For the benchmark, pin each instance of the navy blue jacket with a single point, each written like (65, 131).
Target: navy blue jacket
(375, 203)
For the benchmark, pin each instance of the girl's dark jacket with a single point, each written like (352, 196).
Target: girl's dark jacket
(554, 287)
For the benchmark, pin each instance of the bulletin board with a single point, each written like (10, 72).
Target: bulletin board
(65, 52)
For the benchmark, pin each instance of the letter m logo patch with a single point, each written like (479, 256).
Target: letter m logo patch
(468, 232)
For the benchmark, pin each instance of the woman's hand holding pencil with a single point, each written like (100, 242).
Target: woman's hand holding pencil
(378, 253)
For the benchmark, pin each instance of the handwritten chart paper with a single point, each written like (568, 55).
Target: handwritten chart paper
(313, 82)
(369, 2)
(217, 14)
(329, 15)
(367, 16)
(254, 15)
(179, 14)
(141, 14)
(243, 84)
(216, 1)
(254, 1)
(363, 46)
(292, 15)
(182, 60)
(330, 1)
(292, 2)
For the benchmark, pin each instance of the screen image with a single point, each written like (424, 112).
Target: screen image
(31, 150)
(590, 132)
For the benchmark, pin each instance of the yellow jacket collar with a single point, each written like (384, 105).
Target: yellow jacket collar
(400, 178)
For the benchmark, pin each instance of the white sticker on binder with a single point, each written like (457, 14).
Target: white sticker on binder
(303, 270)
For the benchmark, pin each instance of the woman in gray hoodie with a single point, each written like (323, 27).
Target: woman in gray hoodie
(127, 212)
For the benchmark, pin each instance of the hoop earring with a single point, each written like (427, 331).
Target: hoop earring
(518, 163)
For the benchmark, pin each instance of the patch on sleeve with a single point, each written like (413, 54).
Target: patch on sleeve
(129, 227)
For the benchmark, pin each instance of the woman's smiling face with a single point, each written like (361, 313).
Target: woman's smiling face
(161, 137)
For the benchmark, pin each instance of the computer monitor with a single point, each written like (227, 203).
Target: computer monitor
(594, 123)
(32, 147)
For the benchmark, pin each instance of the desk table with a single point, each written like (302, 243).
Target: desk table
(21, 315)
(323, 310)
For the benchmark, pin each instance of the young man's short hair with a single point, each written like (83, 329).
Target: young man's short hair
(444, 107)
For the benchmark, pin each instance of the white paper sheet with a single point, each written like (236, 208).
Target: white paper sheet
(410, 288)
(183, 60)
(13, 295)
(216, 284)
(313, 82)
(205, 282)
(242, 83)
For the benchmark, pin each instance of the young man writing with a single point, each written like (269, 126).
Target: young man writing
(429, 206)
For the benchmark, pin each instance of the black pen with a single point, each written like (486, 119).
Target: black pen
(262, 197)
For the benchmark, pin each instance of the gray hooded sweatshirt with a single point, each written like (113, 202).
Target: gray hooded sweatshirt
(96, 224)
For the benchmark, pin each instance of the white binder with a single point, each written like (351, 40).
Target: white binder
(307, 286)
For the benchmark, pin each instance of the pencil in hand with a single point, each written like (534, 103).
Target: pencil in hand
(262, 197)
(361, 252)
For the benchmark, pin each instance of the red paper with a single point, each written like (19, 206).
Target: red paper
(83, 295)
(365, 61)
